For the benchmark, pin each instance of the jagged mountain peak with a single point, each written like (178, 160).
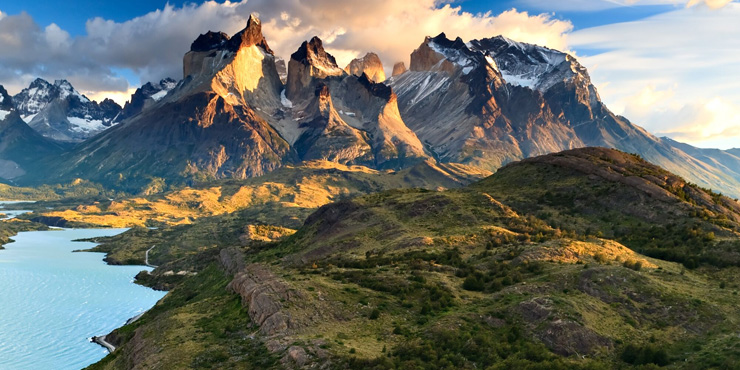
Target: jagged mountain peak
(532, 66)
(369, 65)
(146, 95)
(58, 111)
(209, 41)
(441, 54)
(39, 83)
(241, 69)
(313, 53)
(250, 35)
(311, 61)
(6, 102)
(398, 69)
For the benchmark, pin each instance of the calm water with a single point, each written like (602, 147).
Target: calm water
(52, 300)
(10, 214)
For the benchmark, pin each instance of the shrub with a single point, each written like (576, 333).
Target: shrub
(644, 355)
(472, 283)
(375, 314)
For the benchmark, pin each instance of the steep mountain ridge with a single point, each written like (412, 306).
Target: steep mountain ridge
(59, 112)
(484, 103)
(230, 117)
(457, 98)
(145, 96)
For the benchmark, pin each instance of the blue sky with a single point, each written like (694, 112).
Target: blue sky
(73, 15)
(671, 66)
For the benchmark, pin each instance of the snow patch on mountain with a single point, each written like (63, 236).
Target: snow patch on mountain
(3, 113)
(455, 56)
(284, 100)
(29, 118)
(86, 125)
(527, 65)
(159, 95)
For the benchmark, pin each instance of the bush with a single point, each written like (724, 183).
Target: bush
(472, 283)
(644, 355)
(375, 314)
(633, 264)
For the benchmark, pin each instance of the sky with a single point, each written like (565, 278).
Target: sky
(671, 66)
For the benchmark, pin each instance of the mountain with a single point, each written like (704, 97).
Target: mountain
(345, 116)
(369, 65)
(236, 113)
(492, 101)
(59, 112)
(232, 117)
(456, 279)
(21, 148)
(145, 96)
(398, 68)
(726, 161)
(6, 103)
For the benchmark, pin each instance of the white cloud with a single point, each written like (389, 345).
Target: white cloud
(152, 45)
(120, 97)
(713, 4)
(600, 5)
(671, 73)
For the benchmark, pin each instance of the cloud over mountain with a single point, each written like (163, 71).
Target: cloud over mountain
(152, 45)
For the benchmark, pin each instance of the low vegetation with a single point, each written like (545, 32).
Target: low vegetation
(562, 262)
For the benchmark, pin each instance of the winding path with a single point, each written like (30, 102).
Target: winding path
(146, 258)
(101, 340)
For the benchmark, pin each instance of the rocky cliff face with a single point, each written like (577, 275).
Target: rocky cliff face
(369, 65)
(59, 112)
(398, 69)
(308, 64)
(484, 103)
(364, 114)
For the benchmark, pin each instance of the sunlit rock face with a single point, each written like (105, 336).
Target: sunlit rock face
(308, 63)
(398, 69)
(241, 69)
(359, 121)
(369, 65)
(492, 101)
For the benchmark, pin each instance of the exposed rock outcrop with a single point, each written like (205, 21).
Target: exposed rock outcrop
(398, 69)
(369, 65)
(266, 295)
(308, 64)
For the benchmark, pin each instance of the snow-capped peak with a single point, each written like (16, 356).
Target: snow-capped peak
(455, 55)
(527, 65)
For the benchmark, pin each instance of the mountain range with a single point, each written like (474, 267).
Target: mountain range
(240, 112)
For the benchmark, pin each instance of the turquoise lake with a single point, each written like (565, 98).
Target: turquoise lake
(52, 301)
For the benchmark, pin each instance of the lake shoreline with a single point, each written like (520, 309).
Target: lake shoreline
(102, 340)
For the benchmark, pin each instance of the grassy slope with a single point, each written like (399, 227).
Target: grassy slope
(226, 210)
(619, 196)
(456, 279)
